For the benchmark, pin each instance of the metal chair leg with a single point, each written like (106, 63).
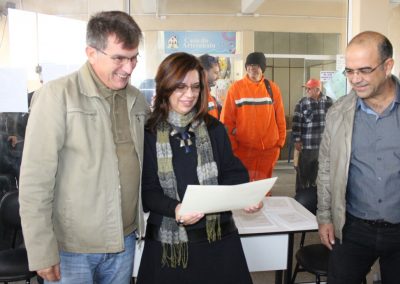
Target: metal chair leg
(317, 279)
(296, 270)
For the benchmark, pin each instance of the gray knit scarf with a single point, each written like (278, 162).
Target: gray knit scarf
(173, 237)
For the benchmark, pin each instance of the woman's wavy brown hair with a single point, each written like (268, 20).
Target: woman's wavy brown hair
(170, 75)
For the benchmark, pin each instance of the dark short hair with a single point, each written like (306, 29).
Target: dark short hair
(383, 44)
(208, 61)
(120, 24)
(170, 75)
(385, 48)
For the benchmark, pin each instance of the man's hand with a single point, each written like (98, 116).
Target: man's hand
(327, 235)
(51, 273)
(12, 140)
(298, 146)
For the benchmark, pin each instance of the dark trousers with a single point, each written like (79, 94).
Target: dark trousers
(307, 169)
(362, 245)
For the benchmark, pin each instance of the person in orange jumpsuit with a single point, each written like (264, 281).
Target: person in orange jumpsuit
(255, 119)
(211, 69)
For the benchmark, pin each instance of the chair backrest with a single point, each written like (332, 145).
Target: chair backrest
(308, 198)
(9, 211)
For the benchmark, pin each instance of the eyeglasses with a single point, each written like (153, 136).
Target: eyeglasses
(120, 60)
(183, 88)
(361, 71)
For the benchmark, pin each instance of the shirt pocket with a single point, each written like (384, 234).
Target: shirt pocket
(84, 113)
(83, 123)
(308, 115)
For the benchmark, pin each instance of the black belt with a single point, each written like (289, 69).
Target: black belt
(380, 223)
(194, 235)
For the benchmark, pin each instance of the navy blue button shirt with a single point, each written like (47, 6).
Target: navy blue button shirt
(373, 189)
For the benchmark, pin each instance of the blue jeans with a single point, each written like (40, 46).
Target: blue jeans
(99, 268)
(362, 245)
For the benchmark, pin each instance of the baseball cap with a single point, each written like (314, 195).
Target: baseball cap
(313, 83)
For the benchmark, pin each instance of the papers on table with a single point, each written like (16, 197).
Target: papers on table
(219, 198)
(278, 214)
(258, 220)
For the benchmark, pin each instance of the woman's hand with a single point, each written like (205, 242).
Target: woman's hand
(187, 219)
(254, 208)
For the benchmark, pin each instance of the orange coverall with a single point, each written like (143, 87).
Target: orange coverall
(256, 125)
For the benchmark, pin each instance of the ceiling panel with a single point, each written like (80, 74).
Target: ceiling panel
(322, 8)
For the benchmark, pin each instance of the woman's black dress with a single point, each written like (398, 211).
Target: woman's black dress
(219, 262)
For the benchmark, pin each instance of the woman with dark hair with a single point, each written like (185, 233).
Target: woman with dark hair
(185, 145)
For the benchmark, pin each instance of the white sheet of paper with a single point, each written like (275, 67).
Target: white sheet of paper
(219, 198)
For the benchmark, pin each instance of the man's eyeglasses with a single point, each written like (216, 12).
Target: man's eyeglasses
(120, 60)
(183, 88)
(361, 71)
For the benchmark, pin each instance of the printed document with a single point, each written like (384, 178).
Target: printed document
(219, 198)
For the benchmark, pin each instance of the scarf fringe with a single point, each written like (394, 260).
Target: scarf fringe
(213, 227)
(174, 255)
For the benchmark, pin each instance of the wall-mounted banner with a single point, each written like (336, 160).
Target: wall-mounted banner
(200, 42)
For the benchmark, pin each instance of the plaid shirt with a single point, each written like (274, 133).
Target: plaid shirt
(309, 121)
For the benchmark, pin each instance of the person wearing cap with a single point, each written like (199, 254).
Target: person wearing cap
(211, 69)
(307, 128)
(255, 119)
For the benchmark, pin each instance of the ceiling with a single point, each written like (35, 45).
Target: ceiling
(238, 7)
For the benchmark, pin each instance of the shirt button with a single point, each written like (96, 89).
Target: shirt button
(379, 200)
(379, 178)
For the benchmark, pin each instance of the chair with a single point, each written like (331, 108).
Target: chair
(13, 261)
(312, 258)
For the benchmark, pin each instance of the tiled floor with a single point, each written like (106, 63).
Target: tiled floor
(285, 186)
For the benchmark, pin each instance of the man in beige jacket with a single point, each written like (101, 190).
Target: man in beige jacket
(81, 170)
(359, 161)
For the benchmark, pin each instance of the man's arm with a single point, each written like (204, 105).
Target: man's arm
(296, 126)
(228, 116)
(280, 116)
(326, 229)
(43, 142)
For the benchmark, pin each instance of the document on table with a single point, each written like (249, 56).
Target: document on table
(282, 211)
(253, 223)
(219, 198)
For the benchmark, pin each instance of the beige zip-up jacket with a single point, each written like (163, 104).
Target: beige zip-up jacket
(70, 195)
(334, 161)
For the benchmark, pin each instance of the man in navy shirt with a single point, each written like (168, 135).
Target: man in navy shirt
(359, 161)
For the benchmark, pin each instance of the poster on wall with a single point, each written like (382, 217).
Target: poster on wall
(200, 42)
(335, 87)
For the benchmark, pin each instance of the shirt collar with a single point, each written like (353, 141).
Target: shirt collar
(256, 83)
(364, 107)
(104, 91)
